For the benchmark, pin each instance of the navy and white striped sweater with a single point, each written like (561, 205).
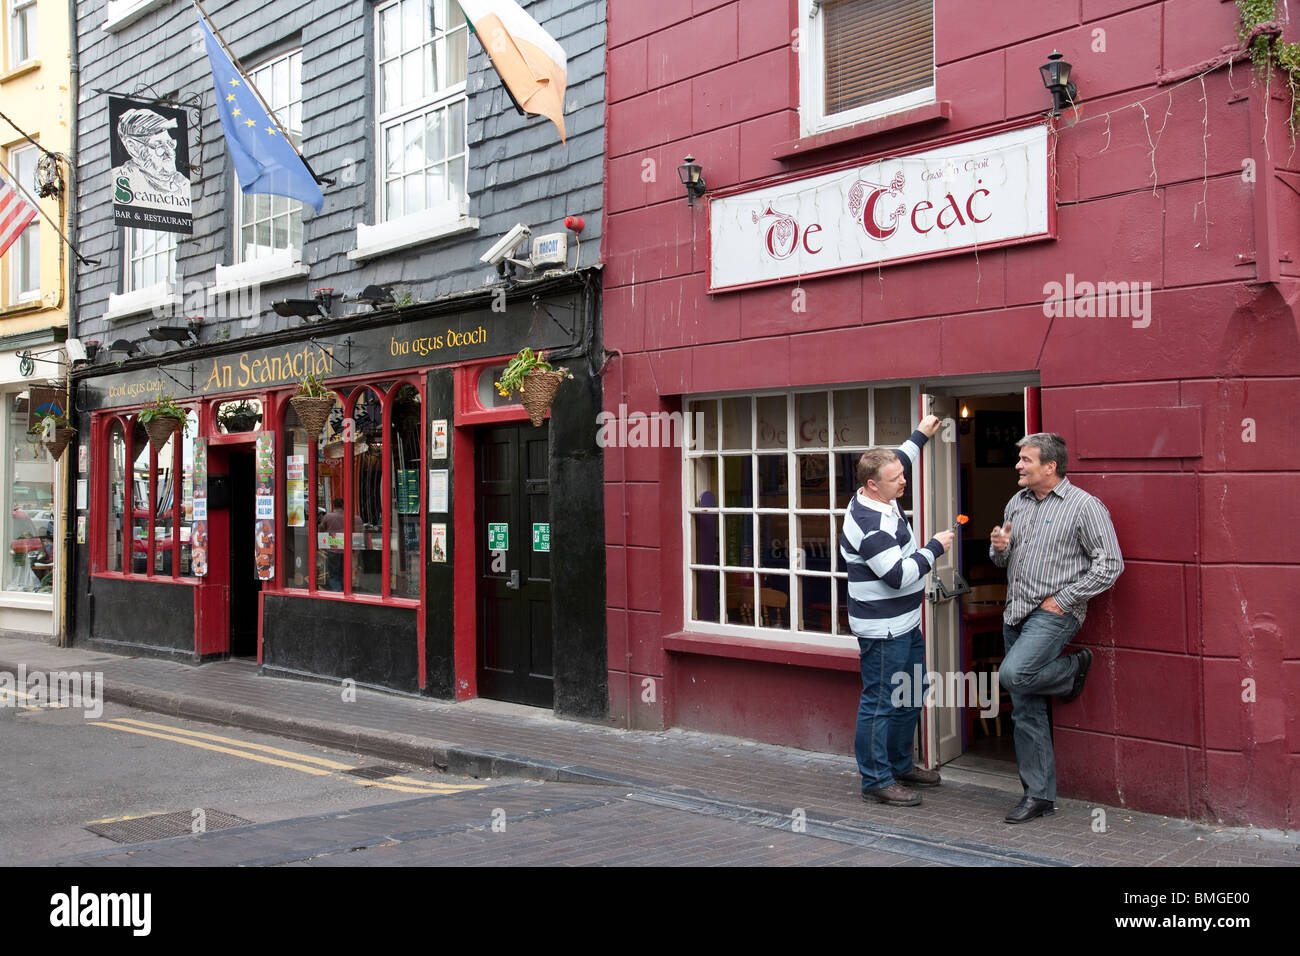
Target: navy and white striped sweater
(886, 569)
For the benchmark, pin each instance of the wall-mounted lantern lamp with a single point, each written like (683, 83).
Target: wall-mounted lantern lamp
(1056, 77)
(692, 174)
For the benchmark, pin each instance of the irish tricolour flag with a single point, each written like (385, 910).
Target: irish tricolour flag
(531, 64)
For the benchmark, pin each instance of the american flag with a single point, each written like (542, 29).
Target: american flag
(15, 214)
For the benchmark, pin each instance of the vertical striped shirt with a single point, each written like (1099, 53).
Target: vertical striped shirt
(886, 569)
(1063, 547)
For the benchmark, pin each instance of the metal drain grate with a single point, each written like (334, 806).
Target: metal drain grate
(378, 772)
(162, 826)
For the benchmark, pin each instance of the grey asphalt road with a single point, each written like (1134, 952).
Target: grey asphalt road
(239, 798)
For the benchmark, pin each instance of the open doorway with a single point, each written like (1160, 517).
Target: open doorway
(244, 585)
(989, 427)
(970, 470)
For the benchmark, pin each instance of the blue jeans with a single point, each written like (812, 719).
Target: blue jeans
(1032, 671)
(883, 742)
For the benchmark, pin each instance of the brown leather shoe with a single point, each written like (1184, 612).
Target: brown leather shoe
(895, 795)
(920, 778)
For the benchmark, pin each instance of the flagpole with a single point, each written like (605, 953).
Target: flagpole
(36, 204)
(234, 60)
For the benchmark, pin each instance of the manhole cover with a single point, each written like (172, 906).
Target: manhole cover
(378, 772)
(161, 826)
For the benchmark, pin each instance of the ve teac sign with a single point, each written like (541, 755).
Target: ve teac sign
(976, 193)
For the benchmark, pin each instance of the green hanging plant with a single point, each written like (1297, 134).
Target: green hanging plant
(1270, 53)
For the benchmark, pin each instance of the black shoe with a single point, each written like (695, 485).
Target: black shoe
(1081, 675)
(1028, 808)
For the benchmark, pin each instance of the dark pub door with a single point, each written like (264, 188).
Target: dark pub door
(514, 570)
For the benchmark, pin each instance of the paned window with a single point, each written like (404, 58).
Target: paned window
(24, 257)
(271, 224)
(768, 479)
(353, 488)
(860, 59)
(150, 258)
(150, 509)
(420, 85)
(22, 32)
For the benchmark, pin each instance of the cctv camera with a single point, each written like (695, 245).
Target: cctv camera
(506, 245)
(76, 351)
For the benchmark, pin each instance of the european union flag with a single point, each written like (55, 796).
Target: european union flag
(264, 159)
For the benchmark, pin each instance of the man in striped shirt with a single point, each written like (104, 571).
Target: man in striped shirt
(886, 587)
(1059, 548)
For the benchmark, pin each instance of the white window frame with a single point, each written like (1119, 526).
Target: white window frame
(28, 11)
(812, 119)
(134, 299)
(29, 240)
(438, 218)
(792, 570)
(121, 13)
(274, 257)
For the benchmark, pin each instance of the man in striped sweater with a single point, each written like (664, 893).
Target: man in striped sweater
(886, 587)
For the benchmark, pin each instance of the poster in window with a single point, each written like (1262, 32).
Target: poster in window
(264, 529)
(439, 447)
(199, 531)
(150, 153)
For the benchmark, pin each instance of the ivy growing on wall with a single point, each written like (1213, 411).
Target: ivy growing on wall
(1270, 53)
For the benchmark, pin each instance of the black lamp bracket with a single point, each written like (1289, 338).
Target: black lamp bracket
(177, 380)
(347, 342)
(539, 306)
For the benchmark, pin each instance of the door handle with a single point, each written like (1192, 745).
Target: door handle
(513, 583)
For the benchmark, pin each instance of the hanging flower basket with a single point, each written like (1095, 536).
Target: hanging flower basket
(59, 441)
(312, 412)
(314, 403)
(535, 378)
(161, 428)
(539, 391)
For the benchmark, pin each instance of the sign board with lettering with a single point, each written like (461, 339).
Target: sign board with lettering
(498, 537)
(149, 148)
(411, 343)
(972, 194)
(541, 536)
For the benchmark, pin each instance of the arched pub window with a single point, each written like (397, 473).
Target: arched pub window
(350, 489)
(150, 500)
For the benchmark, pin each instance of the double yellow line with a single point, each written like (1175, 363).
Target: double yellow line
(315, 766)
(6, 695)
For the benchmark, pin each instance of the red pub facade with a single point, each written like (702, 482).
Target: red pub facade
(892, 223)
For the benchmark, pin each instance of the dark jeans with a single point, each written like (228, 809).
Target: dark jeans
(1032, 671)
(883, 742)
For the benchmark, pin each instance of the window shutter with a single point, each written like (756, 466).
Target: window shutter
(876, 50)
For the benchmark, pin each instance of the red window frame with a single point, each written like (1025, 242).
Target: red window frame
(349, 392)
(102, 452)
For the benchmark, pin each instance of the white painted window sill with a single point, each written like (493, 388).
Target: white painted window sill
(285, 264)
(160, 296)
(122, 13)
(408, 231)
(30, 600)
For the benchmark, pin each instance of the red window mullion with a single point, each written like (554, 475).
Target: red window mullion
(151, 503)
(385, 491)
(312, 444)
(348, 492)
(178, 491)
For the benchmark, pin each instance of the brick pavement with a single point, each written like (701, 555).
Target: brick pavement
(468, 738)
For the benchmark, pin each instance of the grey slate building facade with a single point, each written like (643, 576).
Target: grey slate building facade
(362, 553)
